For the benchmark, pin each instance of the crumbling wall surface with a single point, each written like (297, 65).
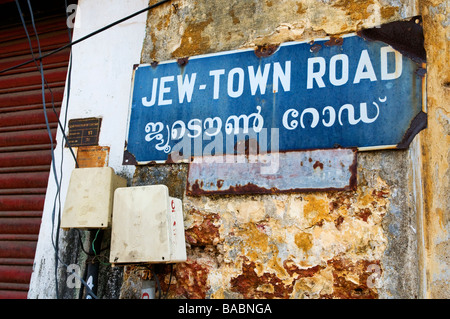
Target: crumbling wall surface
(187, 28)
(349, 244)
(341, 244)
(436, 150)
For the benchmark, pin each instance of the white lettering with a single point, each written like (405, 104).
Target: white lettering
(363, 110)
(273, 157)
(178, 133)
(317, 76)
(246, 308)
(363, 113)
(232, 125)
(331, 113)
(351, 114)
(186, 87)
(372, 280)
(364, 69)
(213, 149)
(196, 127)
(321, 72)
(216, 74)
(283, 77)
(292, 124)
(163, 89)
(240, 89)
(290, 117)
(71, 22)
(154, 132)
(315, 115)
(385, 75)
(195, 309)
(210, 123)
(258, 79)
(73, 280)
(145, 101)
(344, 69)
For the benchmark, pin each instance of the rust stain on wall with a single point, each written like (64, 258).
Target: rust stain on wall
(351, 279)
(250, 285)
(206, 233)
(193, 40)
(191, 280)
(356, 9)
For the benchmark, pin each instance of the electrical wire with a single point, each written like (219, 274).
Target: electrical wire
(71, 43)
(97, 256)
(170, 281)
(157, 283)
(81, 242)
(46, 84)
(41, 71)
(153, 272)
(43, 83)
(82, 245)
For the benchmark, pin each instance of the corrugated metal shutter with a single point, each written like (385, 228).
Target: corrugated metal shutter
(25, 153)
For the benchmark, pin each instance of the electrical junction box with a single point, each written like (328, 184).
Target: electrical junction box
(147, 226)
(89, 198)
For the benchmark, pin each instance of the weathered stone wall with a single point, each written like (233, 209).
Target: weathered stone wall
(305, 245)
(188, 28)
(436, 151)
(349, 244)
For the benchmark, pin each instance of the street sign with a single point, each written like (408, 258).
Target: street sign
(327, 93)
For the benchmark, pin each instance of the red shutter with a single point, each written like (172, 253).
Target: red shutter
(25, 152)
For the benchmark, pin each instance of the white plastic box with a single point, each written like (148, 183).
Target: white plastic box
(89, 198)
(147, 226)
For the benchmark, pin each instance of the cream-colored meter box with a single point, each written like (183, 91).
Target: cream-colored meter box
(89, 197)
(147, 226)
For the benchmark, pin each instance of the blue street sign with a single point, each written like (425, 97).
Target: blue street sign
(330, 93)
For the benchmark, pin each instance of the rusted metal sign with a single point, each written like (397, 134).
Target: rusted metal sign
(93, 156)
(334, 92)
(332, 169)
(84, 132)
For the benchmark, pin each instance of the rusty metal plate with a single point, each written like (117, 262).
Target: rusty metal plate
(284, 172)
(84, 132)
(93, 156)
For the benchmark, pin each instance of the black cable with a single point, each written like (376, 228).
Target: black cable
(157, 283)
(40, 57)
(43, 82)
(41, 70)
(81, 243)
(68, 86)
(46, 84)
(170, 281)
